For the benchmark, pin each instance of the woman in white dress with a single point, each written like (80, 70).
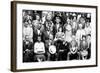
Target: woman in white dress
(68, 32)
(27, 30)
(80, 32)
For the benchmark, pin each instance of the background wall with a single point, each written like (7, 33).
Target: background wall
(5, 36)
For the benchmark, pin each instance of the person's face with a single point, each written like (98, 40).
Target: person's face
(58, 20)
(29, 12)
(60, 29)
(26, 24)
(73, 37)
(87, 24)
(27, 38)
(68, 27)
(83, 38)
(29, 17)
(50, 41)
(39, 39)
(73, 43)
(49, 17)
(74, 18)
(50, 36)
(24, 13)
(88, 38)
(74, 23)
(82, 20)
(68, 21)
(80, 26)
(37, 17)
(67, 14)
(88, 15)
(39, 25)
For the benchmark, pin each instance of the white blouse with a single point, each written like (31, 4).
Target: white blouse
(39, 48)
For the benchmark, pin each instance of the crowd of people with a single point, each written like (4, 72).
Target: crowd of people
(56, 36)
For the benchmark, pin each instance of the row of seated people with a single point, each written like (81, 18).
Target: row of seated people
(55, 50)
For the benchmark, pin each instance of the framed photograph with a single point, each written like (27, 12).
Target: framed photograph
(48, 36)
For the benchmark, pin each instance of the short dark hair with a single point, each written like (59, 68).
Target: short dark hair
(83, 36)
(89, 35)
(58, 17)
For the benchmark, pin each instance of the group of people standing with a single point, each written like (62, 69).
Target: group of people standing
(56, 36)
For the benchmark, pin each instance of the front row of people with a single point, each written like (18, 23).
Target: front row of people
(58, 50)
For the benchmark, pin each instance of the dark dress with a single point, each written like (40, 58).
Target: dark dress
(28, 56)
(74, 56)
(62, 50)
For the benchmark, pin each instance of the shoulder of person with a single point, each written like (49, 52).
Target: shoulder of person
(33, 21)
(77, 31)
(42, 43)
(35, 43)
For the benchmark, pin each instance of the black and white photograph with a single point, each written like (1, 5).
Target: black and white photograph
(56, 36)
(53, 36)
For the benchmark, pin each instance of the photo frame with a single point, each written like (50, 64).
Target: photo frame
(47, 36)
